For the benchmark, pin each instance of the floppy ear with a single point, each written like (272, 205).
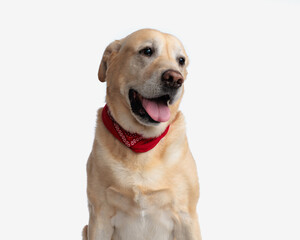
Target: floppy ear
(114, 47)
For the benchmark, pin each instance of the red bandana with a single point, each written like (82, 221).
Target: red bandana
(133, 141)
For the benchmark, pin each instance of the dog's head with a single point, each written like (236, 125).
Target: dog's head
(145, 73)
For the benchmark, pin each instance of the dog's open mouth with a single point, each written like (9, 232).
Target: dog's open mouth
(154, 110)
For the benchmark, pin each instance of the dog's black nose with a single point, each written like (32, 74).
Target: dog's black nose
(172, 79)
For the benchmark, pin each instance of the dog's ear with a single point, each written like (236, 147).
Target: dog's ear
(110, 50)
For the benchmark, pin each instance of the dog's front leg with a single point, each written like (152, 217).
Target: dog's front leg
(187, 227)
(100, 227)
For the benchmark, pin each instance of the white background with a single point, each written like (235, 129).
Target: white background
(242, 108)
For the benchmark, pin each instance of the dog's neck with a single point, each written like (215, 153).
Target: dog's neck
(134, 141)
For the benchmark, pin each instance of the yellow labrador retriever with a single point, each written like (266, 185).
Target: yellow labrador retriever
(142, 179)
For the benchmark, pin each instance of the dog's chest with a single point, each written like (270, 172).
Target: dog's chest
(142, 216)
(146, 225)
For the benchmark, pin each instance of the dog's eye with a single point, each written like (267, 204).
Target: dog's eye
(146, 51)
(181, 61)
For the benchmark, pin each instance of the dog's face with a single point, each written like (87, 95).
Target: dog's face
(145, 73)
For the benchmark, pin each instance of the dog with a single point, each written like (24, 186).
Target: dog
(142, 181)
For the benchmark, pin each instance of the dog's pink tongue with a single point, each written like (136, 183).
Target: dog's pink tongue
(157, 111)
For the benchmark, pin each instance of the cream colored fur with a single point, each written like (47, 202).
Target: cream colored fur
(151, 195)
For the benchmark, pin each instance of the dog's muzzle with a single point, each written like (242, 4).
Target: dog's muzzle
(155, 110)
